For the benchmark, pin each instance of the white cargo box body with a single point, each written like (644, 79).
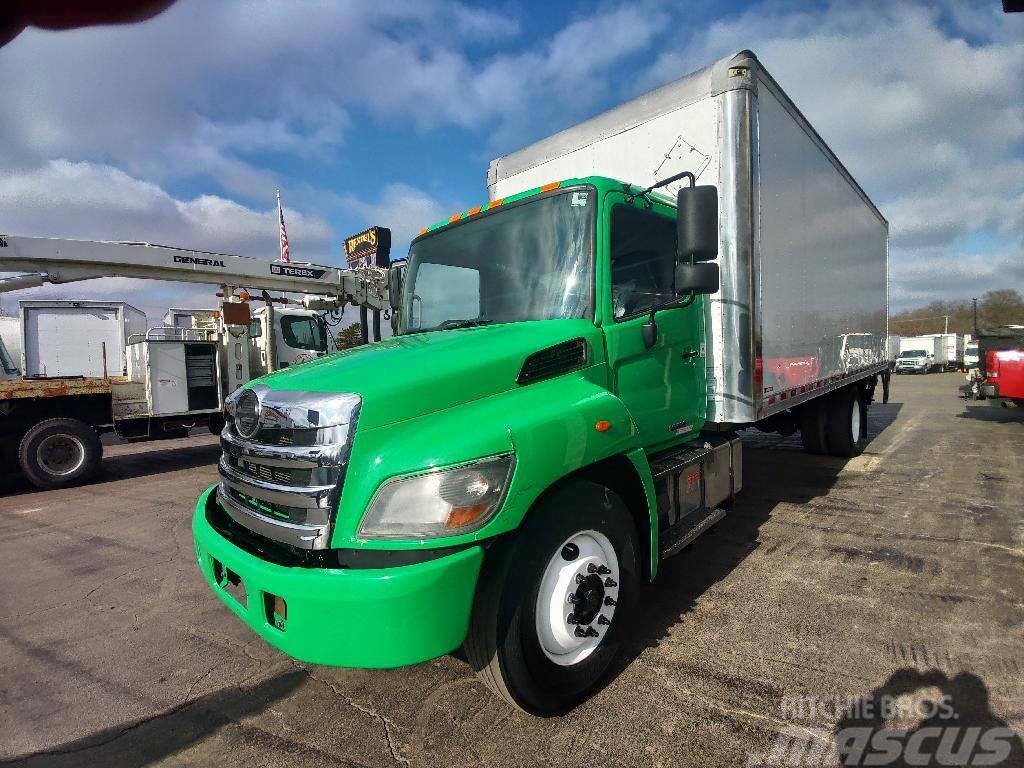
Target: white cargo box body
(70, 338)
(803, 252)
(951, 346)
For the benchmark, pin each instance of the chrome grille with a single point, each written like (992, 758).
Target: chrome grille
(283, 481)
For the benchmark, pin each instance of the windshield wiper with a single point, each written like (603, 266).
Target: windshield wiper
(449, 325)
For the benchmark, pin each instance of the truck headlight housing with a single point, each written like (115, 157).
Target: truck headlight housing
(444, 502)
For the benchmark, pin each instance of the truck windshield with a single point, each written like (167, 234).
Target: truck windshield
(527, 261)
(914, 353)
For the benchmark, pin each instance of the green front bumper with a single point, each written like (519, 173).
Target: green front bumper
(377, 618)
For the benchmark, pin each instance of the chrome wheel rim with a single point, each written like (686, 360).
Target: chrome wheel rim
(577, 597)
(60, 455)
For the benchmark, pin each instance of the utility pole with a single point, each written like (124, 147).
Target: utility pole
(945, 328)
(975, 302)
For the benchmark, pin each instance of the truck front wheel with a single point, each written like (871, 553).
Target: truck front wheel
(554, 602)
(56, 453)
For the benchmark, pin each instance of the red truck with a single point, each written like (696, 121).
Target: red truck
(1000, 373)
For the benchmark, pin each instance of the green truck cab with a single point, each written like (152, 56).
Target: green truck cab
(487, 476)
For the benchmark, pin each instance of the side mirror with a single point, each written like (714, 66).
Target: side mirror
(396, 275)
(698, 278)
(697, 223)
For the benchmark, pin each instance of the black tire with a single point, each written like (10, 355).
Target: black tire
(57, 453)
(812, 427)
(503, 643)
(842, 441)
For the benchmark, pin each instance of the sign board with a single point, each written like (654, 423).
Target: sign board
(370, 248)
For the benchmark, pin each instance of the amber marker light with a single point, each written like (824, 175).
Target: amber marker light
(603, 426)
(549, 187)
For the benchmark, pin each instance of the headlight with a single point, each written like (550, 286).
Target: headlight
(441, 503)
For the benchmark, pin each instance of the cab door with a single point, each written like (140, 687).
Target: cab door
(664, 385)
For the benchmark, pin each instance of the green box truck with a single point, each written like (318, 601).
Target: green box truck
(557, 411)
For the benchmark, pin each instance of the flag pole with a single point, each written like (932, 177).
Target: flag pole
(280, 218)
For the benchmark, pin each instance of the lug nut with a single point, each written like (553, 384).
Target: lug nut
(610, 601)
(611, 582)
(580, 578)
(572, 598)
(588, 632)
(604, 570)
(602, 620)
(591, 568)
(571, 619)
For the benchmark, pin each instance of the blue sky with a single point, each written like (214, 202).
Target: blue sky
(179, 130)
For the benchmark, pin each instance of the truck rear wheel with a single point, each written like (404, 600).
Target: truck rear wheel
(812, 427)
(554, 602)
(847, 423)
(57, 453)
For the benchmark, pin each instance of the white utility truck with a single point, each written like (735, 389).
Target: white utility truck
(159, 382)
(920, 354)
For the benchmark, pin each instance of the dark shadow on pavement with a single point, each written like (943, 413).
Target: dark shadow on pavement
(957, 729)
(993, 413)
(151, 739)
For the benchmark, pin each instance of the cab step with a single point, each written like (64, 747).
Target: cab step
(687, 529)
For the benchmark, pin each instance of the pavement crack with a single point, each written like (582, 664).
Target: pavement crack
(385, 722)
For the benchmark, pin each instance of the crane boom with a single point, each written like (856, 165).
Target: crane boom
(63, 261)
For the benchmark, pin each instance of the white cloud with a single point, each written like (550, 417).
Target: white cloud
(402, 208)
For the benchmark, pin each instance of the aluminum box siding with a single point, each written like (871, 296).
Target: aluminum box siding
(822, 253)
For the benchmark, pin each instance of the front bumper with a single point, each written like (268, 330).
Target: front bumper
(372, 618)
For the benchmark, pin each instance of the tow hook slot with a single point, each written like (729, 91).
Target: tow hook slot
(230, 582)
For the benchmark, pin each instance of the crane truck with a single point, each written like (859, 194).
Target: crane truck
(559, 407)
(172, 378)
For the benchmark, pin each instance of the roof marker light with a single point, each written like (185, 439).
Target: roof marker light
(495, 203)
(549, 187)
(455, 218)
(474, 211)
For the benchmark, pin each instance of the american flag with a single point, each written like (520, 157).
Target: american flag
(285, 253)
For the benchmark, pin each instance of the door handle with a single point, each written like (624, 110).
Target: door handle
(687, 354)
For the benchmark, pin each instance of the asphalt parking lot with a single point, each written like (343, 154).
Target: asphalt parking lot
(828, 579)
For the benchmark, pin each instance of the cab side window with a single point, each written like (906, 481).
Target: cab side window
(643, 257)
